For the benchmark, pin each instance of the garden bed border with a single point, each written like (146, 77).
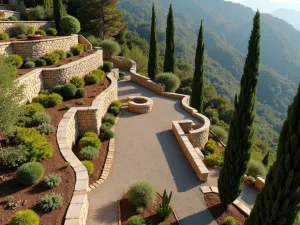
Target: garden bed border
(75, 122)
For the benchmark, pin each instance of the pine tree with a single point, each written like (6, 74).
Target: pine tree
(58, 11)
(240, 141)
(152, 61)
(198, 79)
(265, 160)
(278, 202)
(169, 62)
(101, 17)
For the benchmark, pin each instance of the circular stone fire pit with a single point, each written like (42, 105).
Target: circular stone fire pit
(139, 104)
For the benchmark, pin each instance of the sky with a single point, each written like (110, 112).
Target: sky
(270, 6)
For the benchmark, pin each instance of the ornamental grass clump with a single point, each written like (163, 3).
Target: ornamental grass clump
(51, 202)
(77, 81)
(89, 153)
(40, 118)
(90, 139)
(141, 194)
(52, 180)
(46, 128)
(30, 173)
(170, 81)
(110, 48)
(25, 217)
(89, 166)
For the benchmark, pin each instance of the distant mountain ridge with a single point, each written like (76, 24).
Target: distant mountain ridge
(289, 15)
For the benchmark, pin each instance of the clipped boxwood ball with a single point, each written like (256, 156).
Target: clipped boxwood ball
(109, 134)
(69, 25)
(30, 173)
(69, 91)
(40, 62)
(107, 66)
(81, 93)
(92, 79)
(114, 110)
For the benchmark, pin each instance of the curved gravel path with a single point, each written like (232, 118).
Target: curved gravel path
(146, 149)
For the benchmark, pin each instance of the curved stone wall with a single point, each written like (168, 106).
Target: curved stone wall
(75, 123)
(38, 79)
(5, 26)
(39, 48)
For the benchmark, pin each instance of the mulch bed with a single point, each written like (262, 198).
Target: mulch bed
(32, 195)
(22, 71)
(219, 212)
(149, 214)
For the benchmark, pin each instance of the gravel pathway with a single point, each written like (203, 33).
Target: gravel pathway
(146, 149)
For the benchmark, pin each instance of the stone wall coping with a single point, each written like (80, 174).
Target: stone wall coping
(44, 40)
(10, 11)
(26, 21)
(77, 207)
(5, 43)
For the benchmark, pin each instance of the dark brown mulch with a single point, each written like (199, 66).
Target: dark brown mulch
(149, 214)
(99, 162)
(22, 71)
(219, 212)
(10, 187)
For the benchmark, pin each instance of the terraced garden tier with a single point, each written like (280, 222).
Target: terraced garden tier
(29, 197)
(25, 39)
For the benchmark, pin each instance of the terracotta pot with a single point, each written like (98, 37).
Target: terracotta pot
(249, 183)
(35, 37)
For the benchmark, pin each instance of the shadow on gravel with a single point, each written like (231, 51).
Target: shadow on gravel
(202, 218)
(183, 174)
(107, 213)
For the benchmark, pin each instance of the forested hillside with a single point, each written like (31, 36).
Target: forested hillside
(227, 29)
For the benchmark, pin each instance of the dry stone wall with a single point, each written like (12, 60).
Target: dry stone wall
(5, 26)
(39, 48)
(11, 13)
(75, 123)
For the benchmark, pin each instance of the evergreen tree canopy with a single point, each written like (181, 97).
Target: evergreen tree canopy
(265, 160)
(101, 17)
(169, 62)
(197, 98)
(153, 52)
(278, 202)
(58, 12)
(240, 140)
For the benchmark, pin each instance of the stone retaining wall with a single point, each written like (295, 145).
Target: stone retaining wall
(5, 26)
(39, 79)
(259, 183)
(6, 48)
(8, 13)
(39, 48)
(75, 123)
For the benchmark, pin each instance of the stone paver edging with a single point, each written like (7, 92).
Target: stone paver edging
(75, 122)
(239, 204)
(108, 161)
(119, 209)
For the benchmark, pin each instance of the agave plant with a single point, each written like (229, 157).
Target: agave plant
(164, 209)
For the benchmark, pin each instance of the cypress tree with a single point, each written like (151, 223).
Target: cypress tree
(198, 79)
(265, 160)
(152, 61)
(240, 141)
(58, 10)
(278, 202)
(169, 62)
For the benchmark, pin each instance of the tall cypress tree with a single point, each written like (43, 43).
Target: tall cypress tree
(278, 202)
(169, 63)
(58, 10)
(240, 141)
(152, 61)
(265, 160)
(198, 79)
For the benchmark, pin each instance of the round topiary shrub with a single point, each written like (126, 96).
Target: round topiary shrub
(99, 73)
(69, 25)
(52, 180)
(40, 62)
(15, 60)
(30, 173)
(141, 194)
(110, 48)
(69, 91)
(51, 58)
(46, 128)
(33, 108)
(51, 32)
(91, 135)
(136, 220)
(77, 81)
(40, 118)
(169, 80)
(4, 36)
(54, 100)
(89, 141)
(109, 134)
(29, 64)
(62, 54)
(256, 168)
(77, 50)
(30, 29)
(89, 166)
(114, 110)
(92, 79)
(116, 103)
(58, 89)
(69, 54)
(89, 153)
(105, 127)
(108, 118)
(51, 202)
(81, 93)
(25, 217)
(107, 67)
(40, 32)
